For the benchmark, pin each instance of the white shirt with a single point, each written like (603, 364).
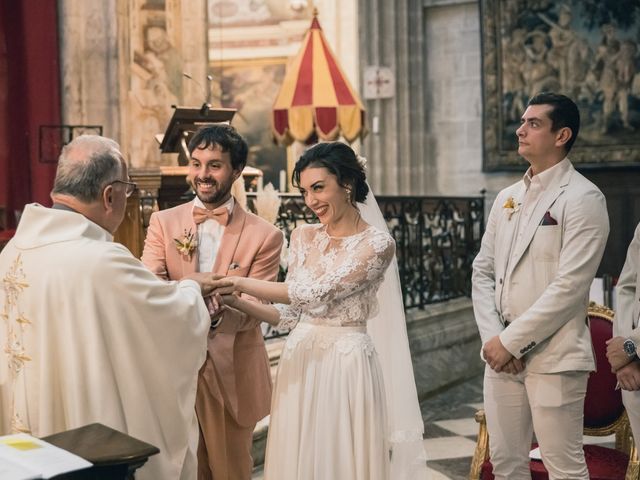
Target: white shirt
(209, 236)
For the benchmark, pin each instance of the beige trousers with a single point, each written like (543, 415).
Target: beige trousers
(631, 402)
(552, 405)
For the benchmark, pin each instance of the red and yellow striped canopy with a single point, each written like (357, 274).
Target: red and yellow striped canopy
(316, 96)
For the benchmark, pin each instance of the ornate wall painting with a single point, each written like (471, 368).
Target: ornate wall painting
(586, 49)
(251, 86)
(155, 81)
(250, 42)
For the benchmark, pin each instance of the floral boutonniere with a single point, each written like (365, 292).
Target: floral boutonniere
(187, 244)
(510, 207)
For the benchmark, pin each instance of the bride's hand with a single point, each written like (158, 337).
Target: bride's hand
(224, 285)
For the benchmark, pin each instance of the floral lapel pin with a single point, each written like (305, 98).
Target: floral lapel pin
(187, 244)
(511, 207)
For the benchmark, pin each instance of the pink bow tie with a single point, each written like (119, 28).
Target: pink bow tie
(220, 215)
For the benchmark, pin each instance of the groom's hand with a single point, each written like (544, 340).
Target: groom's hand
(495, 354)
(217, 307)
(206, 280)
(230, 300)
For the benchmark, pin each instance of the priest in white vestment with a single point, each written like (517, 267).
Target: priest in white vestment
(87, 333)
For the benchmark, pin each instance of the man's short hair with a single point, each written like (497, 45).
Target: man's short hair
(224, 137)
(564, 113)
(86, 166)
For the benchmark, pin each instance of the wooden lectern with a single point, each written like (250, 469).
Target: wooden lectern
(115, 456)
(185, 121)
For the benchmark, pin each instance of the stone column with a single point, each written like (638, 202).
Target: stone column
(391, 35)
(89, 64)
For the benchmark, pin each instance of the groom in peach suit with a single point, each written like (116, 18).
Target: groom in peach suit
(213, 233)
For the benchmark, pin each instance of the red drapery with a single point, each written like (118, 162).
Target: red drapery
(29, 97)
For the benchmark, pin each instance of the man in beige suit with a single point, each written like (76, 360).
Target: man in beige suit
(543, 243)
(213, 233)
(622, 348)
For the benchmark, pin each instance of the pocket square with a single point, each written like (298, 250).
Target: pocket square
(548, 220)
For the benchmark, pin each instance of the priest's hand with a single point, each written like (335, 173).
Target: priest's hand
(225, 285)
(616, 355)
(208, 281)
(629, 376)
(495, 354)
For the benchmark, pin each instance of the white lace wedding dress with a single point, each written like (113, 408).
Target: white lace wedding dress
(328, 414)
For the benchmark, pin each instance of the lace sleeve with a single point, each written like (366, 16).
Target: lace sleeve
(290, 314)
(366, 265)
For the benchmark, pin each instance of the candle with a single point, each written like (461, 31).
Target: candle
(283, 181)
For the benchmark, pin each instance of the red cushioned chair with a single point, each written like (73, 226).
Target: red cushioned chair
(604, 415)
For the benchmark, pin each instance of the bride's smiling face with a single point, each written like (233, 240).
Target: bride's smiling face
(323, 194)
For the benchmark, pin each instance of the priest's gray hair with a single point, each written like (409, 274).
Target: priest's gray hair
(86, 166)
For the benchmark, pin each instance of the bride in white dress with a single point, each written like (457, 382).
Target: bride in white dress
(331, 418)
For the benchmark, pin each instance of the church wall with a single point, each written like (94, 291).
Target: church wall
(89, 64)
(250, 47)
(391, 35)
(454, 103)
(122, 64)
(429, 136)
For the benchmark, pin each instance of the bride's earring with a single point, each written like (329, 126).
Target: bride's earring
(348, 192)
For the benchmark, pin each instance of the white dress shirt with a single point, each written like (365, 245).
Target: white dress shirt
(209, 236)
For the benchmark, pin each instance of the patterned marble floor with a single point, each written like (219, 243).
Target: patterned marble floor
(451, 431)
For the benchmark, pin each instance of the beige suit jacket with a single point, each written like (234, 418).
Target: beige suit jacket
(625, 322)
(550, 274)
(250, 247)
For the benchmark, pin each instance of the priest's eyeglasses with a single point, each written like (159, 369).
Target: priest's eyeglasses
(130, 187)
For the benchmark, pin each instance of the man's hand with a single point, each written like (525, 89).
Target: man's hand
(495, 354)
(225, 285)
(216, 306)
(615, 353)
(204, 279)
(514, 366)
(229, 300)
(629, 376)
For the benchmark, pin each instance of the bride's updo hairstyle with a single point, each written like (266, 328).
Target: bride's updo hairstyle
(340, 160)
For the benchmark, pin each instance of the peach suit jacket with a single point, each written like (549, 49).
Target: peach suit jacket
(250, 247)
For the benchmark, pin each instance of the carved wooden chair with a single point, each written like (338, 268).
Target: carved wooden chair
(604, 415)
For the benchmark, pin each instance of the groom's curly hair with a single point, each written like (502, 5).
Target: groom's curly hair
(226, 138)
(341, 161)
